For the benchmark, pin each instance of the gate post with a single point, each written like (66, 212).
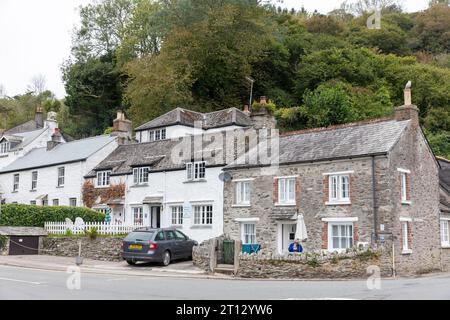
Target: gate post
(237, 252)
(213, 255)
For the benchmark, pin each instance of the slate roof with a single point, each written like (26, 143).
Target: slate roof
(22, 231)
(217, 119)
(21, 140)
(351, 140)
(24, 127)
(157, 155)
(77, 150)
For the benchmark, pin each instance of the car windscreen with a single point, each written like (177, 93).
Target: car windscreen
(139, 236)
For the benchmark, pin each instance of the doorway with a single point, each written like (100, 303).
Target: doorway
(155, 217)
(288, 236)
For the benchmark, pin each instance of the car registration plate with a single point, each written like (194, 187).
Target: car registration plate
(135, 247)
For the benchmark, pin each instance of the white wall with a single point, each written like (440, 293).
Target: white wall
(175, 191)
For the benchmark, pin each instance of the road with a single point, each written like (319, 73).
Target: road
(32, 284)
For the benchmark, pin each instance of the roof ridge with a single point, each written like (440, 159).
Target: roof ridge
(338, 126)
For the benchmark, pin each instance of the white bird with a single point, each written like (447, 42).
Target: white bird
(408, 85)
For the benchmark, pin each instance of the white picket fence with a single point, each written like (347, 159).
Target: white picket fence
(102, 228)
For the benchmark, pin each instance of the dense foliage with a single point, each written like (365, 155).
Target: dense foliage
(149, 56)
(36, 216)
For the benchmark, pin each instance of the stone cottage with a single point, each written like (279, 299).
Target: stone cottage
(373, 183)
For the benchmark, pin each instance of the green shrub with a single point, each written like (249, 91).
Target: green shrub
(3, 241)
(92, 233)
(68, 233)
(20, 215)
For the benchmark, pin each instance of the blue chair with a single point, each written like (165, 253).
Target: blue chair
(251, 248)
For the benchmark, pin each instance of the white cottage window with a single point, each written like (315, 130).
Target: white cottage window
(340, 236)
(140, 175)
(445, 236)
(177, 215)
(103, 178)
(4, 147)
(16, 180)
(248, 233)
(34, 180)
(243, 193)
(61, 176)
(286, 190)
(203, 215)
(158, 134)
(195, 170)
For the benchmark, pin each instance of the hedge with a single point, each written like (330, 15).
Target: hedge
(20, 215)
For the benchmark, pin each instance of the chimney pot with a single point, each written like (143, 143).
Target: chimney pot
(246, 110)
(408, 111)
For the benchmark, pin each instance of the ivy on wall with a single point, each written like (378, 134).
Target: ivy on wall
(90, 194)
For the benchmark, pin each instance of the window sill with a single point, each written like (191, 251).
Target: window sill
(33, 190)
(178, 226)
(406, 252)
(59, 187)
(338, 203)
(15, 192)
(406, 203)
(241, 206)
(101, 187)
(287, 204)
(142, 185)
(194, 181)
(198, 226)
(445, 246)
(4, 156)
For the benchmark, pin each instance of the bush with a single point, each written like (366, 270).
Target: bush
(20, 215)
(92, 233)
(3, 240)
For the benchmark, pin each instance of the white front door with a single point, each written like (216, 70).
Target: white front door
(288, 236)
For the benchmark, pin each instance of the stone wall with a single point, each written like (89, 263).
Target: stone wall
(102, 248)
(4, 251)
(207, 253)
(314, 266)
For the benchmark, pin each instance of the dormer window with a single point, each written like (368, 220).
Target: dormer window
(140, 175)
(195, 171)
(103, 178)
(158, 134)
(4, 147)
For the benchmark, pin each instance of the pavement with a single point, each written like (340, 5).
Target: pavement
(176, 269)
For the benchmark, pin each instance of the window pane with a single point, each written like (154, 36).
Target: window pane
(291, 194)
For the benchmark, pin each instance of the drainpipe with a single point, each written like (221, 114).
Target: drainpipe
(374, 196)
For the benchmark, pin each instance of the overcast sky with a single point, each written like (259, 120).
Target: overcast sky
(35, 37)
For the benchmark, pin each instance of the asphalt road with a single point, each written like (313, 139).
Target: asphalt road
(32, 284)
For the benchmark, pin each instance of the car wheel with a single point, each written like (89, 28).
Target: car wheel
(166, 258)
(131, 262)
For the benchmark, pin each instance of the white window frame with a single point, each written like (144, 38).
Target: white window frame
(157, 134)
(176, 215)
(34, 180)
(445, 233)
(242, 192)
(196, 171)
(338, 194)
(73, 202)
(286, 195)
(248, 233)
(55, 202)
(406, 246)
(103, 179)
(203, 215)
(16, 182)
(139, 213)
(4, 147)
(339, 224)
(140, 175)
(61, 177)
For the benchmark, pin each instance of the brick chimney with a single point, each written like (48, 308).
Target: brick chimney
(56, 139)
(122, 127)
(407, 111)
(262, 118)
(39, 117)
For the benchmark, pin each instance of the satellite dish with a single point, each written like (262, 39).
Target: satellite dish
(225, 176)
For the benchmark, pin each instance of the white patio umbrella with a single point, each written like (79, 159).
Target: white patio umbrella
(301, 232)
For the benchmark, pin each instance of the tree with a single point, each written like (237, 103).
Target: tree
(94, 93)
(38, 84)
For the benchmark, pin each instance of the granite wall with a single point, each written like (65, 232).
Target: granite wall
(104, 249)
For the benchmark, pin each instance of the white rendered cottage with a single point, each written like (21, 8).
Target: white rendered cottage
(160, 191)
(18, 141)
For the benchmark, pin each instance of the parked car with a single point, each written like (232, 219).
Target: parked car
(161, 245)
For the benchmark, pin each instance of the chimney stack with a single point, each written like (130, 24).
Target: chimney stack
(262, 118)
(39, 117)
(407, 111)
(56, 139)
(122, 127)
